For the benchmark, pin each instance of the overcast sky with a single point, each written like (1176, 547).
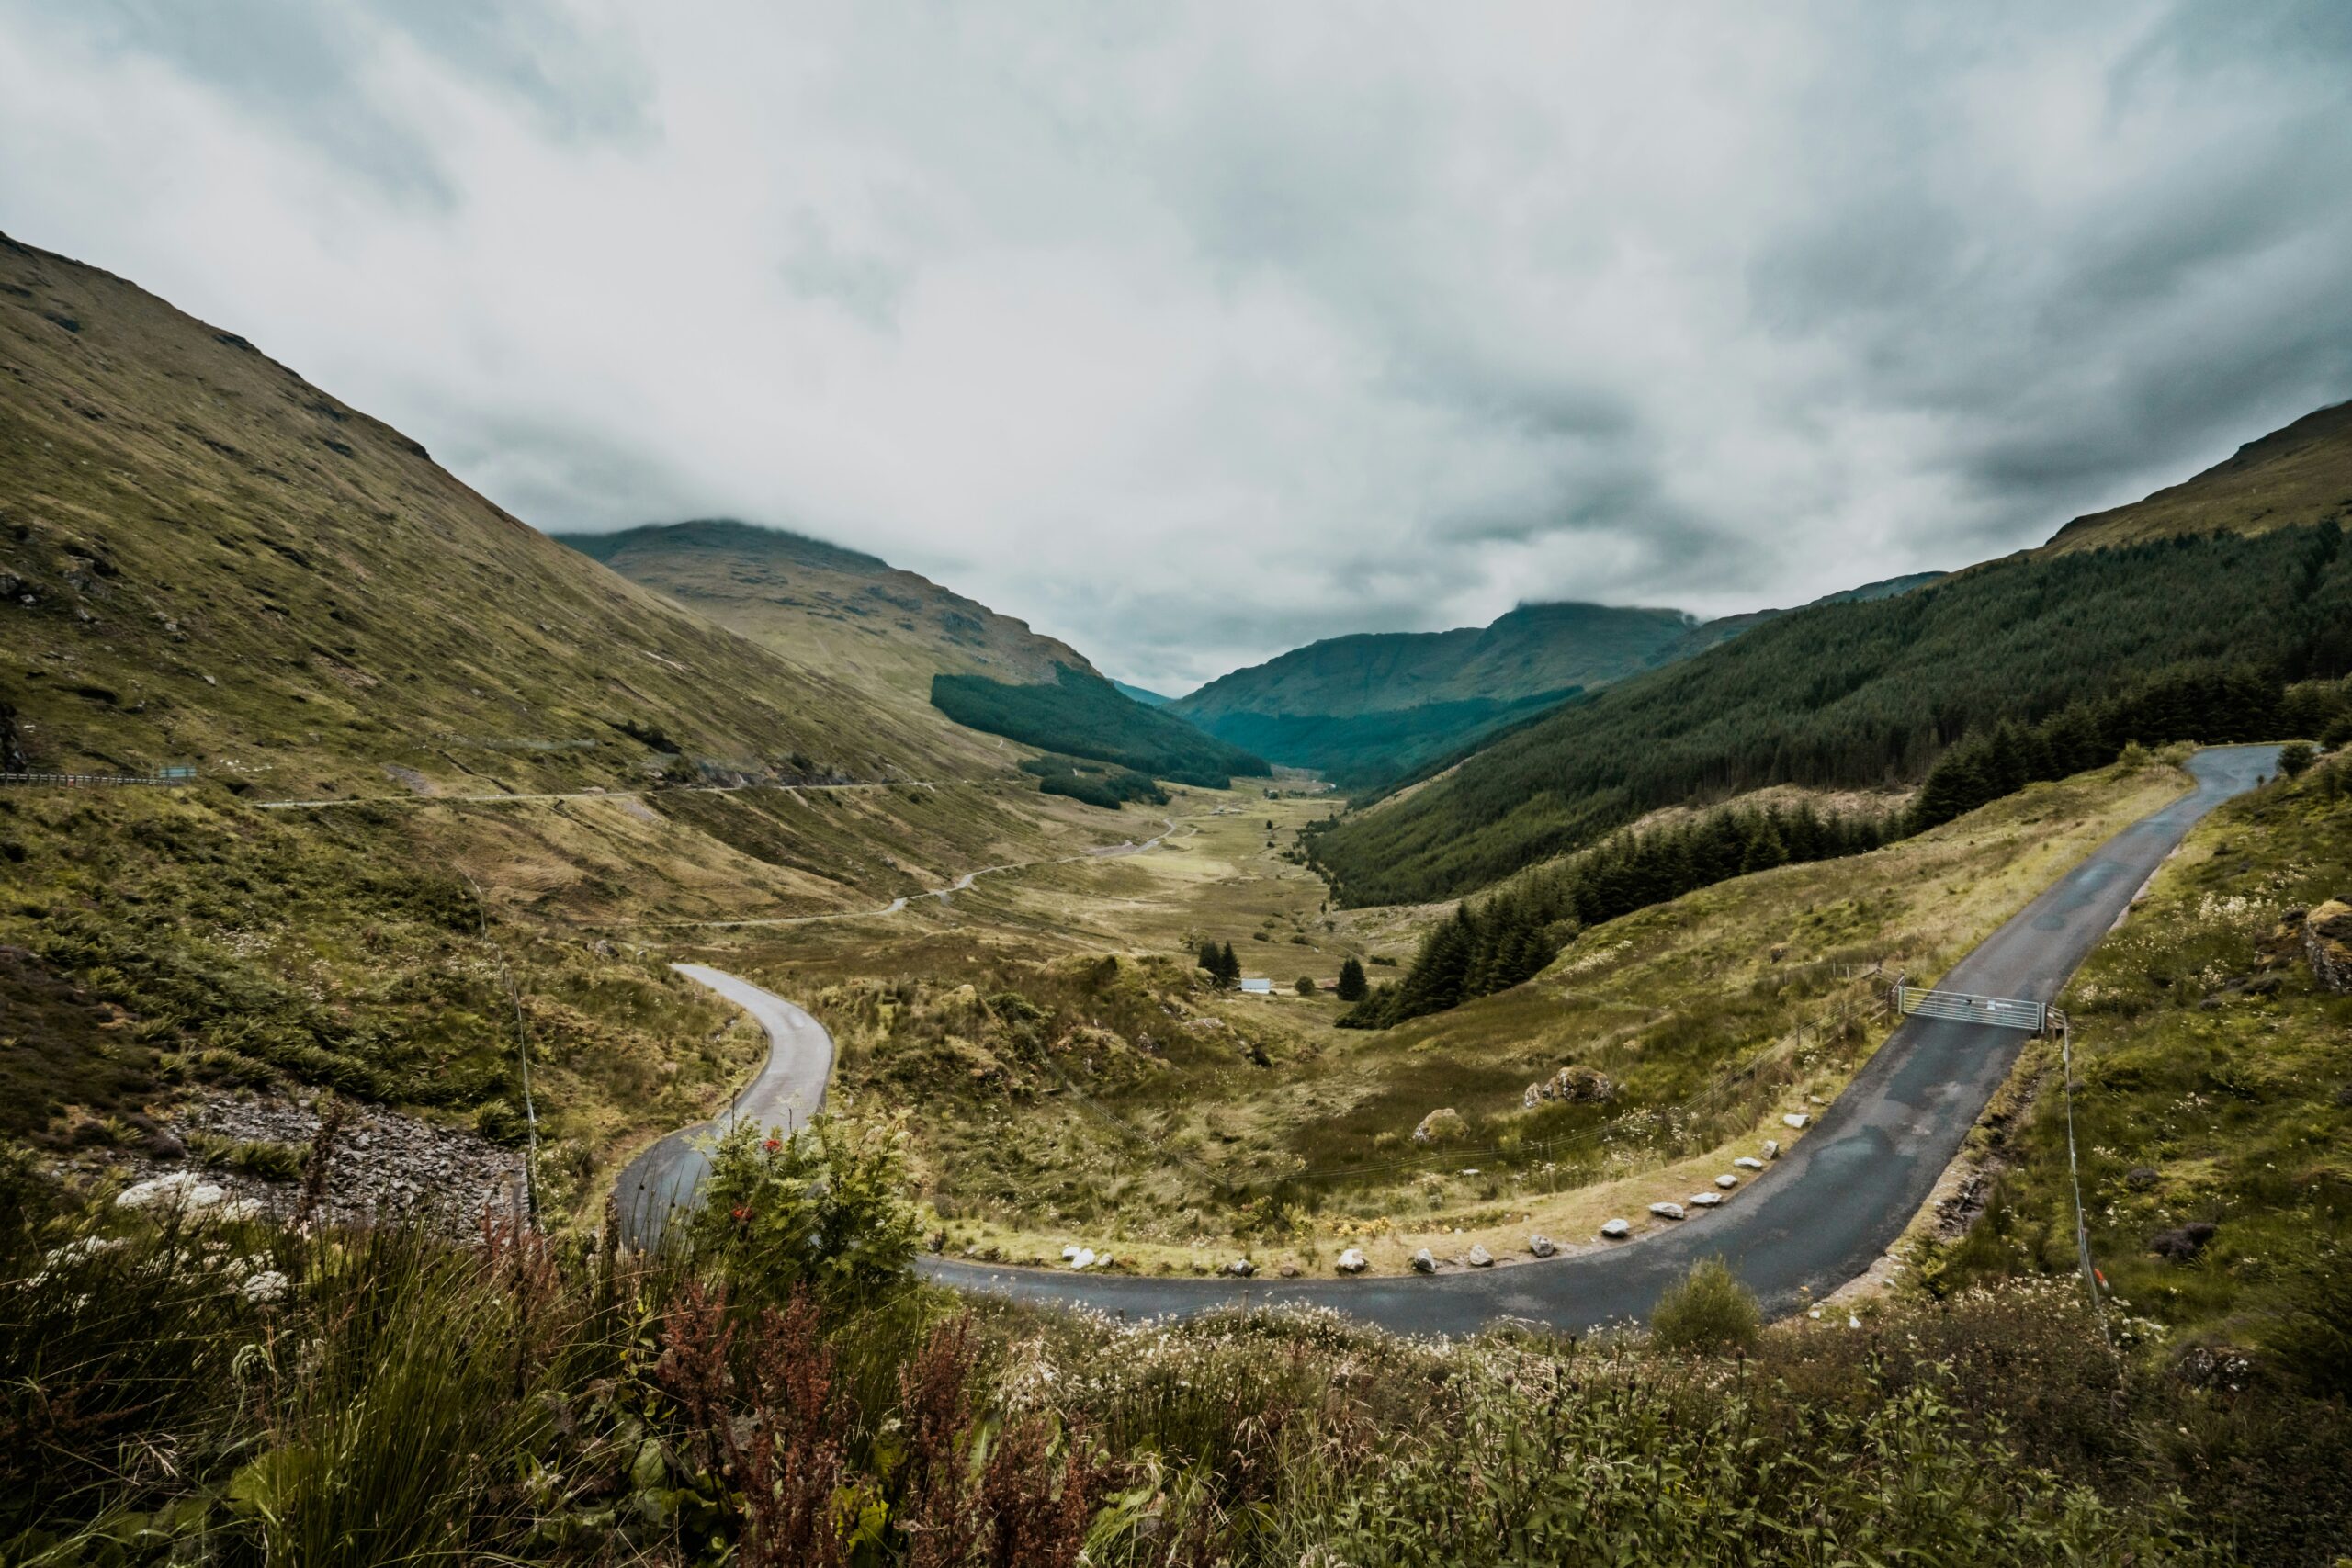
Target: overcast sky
(1193, 334)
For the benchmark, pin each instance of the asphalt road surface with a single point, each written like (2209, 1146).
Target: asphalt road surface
(1813, 1218)
(789, 1089)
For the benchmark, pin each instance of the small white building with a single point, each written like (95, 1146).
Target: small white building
(1257, 987)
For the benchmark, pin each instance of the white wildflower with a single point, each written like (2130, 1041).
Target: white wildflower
(266, 1287)
(180, 1192)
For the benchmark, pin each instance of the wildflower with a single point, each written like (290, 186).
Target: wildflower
(741, 1212)
(181, 1191)
(772, 1143)
(263, 1288)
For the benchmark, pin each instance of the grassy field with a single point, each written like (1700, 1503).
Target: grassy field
(2215, 1091)
(1073, 1078)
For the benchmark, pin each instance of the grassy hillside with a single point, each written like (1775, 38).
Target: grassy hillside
(879, 631)
(2290, 478)
(1861, 693)
(207, 560)
(1079, 714)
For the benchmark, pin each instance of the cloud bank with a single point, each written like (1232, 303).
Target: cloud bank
(1191, 334)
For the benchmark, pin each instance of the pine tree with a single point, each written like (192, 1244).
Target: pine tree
(1351, 986)
(1228, 968)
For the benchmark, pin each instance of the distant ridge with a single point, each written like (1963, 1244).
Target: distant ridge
(885, 632)
(2291, 478)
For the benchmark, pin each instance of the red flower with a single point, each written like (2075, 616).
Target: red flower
(772, 1144)
(743, 1213)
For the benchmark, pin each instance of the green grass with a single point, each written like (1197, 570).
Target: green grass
(186, 942)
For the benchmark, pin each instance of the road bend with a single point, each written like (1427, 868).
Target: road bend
(1812, 1220)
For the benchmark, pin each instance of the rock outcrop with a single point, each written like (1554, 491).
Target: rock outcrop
(2327, 942)
(1570, 1085)
(1441, 1125)
(382, 1165)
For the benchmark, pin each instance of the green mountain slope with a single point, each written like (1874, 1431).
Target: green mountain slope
(1149, 699)
(1856, 693)
(1079, 714)
(1370, 708)
(204, 559)
(881, 631)
(2289, 479)
(207, 560)
(1366, 708)
(1533, 650)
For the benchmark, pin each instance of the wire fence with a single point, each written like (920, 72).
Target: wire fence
(166, 778)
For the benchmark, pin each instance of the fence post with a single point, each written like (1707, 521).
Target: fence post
(2075, 1175)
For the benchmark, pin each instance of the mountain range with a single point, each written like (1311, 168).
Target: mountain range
(1365, 708)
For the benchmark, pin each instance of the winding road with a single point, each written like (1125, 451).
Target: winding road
(1812, 1220)
(790, 1087)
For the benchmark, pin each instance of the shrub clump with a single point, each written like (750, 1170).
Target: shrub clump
(1708, 1311)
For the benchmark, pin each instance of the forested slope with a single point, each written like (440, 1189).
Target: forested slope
(1860, 694)
(1079, 714)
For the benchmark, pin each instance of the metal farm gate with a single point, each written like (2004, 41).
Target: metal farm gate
(2010, 1012)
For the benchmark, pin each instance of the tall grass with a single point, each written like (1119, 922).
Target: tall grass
(412, 1398)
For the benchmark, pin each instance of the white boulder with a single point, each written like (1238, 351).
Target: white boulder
(1771, 1148)
(1616, 1230)
(1423, 1263)
(1795, 1118)
(1241, 1269)
(1726, 1182)
(1541, 1246)
(1706, 1200)
(1667, 1211)
(1749, 1162)
(1480, 1257)
(1353, 1261)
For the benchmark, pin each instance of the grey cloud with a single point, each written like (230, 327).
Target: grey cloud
(867, 285)
(302, 64)
(1189, 336)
